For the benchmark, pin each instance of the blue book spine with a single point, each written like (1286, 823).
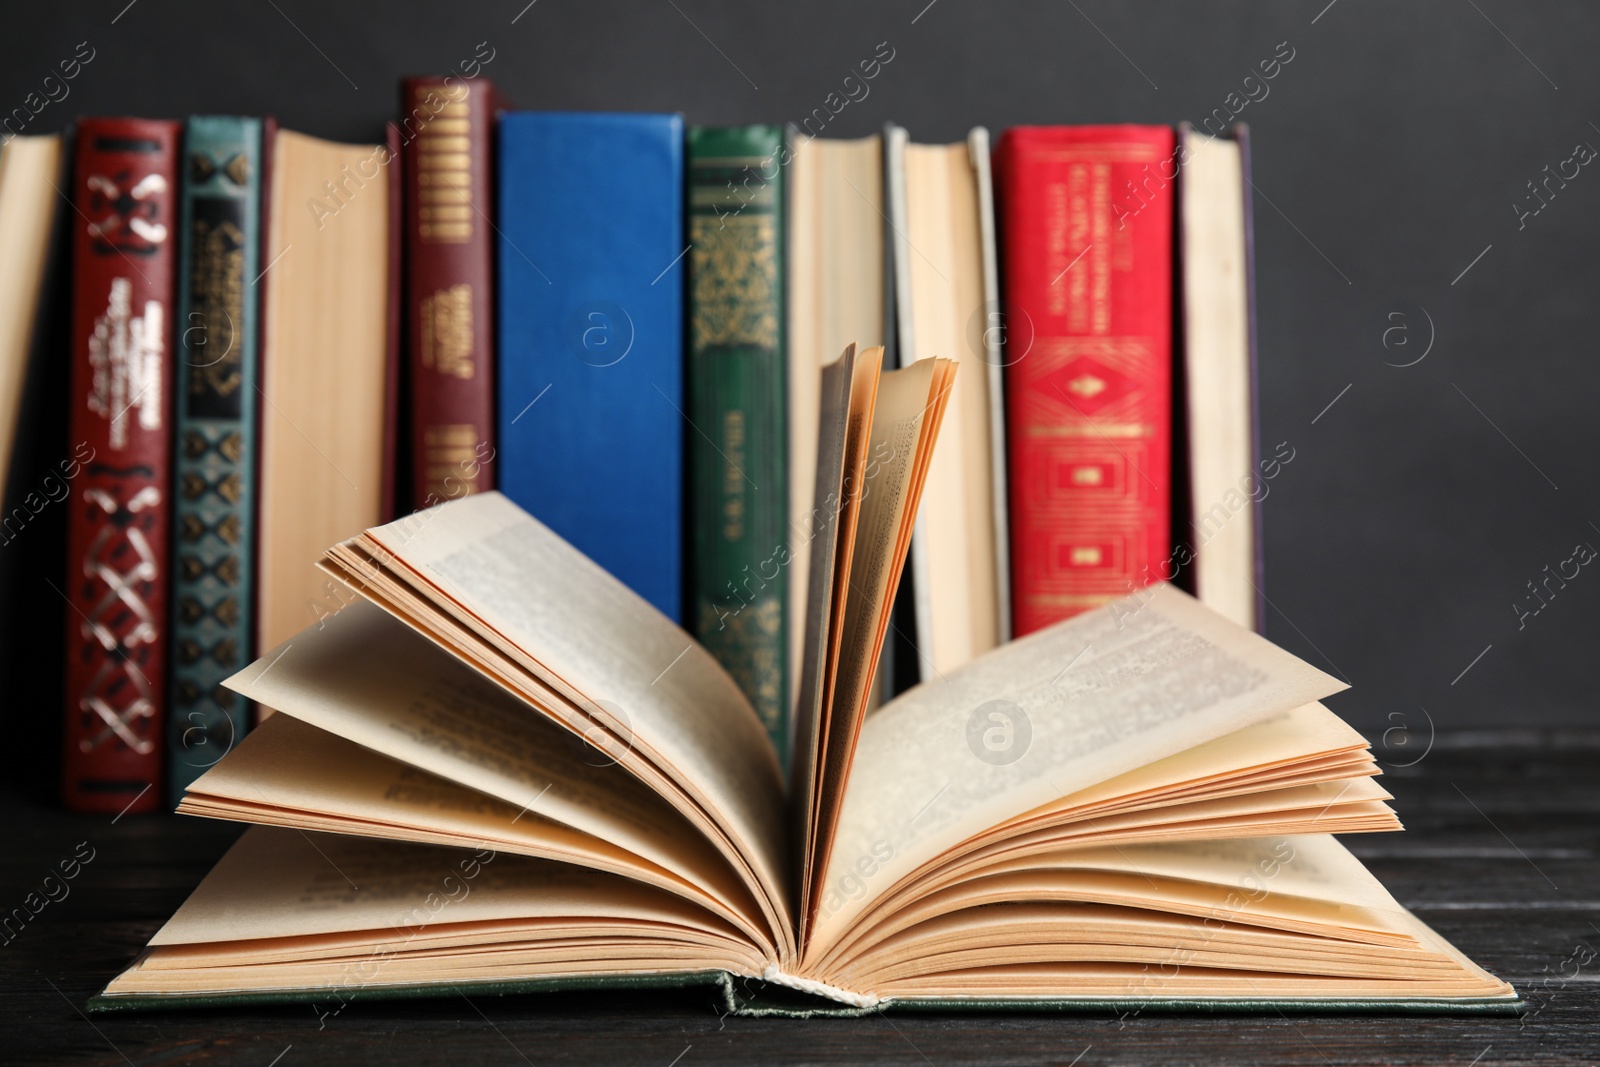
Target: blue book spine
(214, 416)
(591, 266)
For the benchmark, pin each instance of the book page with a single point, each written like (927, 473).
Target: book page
(849, 388)
(1307, 882)
(607, 652)
(600, 725)
(284, 883)
(1077, 703)
(377, 683)
(1300, 736)
(1305, 866)
(1165, 947)
(290, 773)
(1325, 808)
(905, 424)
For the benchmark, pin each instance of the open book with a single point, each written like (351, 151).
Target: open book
(498, 768)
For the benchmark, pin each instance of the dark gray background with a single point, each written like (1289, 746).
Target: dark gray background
(1388, 156)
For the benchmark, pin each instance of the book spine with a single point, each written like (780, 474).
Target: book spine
(215, 432)
(390, 491)
(123, 195)
(1241, 134)
(989, 341)
(738, 393)
(591, 262)
(1086, 227)
(447, 135)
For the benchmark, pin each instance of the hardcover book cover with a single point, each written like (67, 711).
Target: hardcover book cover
(591, 264)
(214, 411)
(947, 303)
(1241, 134)
(738, 477)
(124, 200)
(840, 293)
(990, 341)
(41, 467)
(1221, 474)
(447, 135)
(330, 312)
(29, 205)
(1086, 225)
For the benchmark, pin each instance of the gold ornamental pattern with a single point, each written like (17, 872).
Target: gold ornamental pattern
(735, 272)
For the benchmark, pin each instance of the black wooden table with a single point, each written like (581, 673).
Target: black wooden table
(1502, 857)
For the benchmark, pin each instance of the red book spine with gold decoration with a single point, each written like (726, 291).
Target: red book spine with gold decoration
(1086, 227)
(447, 137)
(124, 196)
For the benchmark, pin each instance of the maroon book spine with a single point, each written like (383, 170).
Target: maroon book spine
(124, 195)
(447, 138)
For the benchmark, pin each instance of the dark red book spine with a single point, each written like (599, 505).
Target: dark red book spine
(124, 193)
(447, 138)
(1086, 232)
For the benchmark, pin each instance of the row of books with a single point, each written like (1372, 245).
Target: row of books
(278, 341)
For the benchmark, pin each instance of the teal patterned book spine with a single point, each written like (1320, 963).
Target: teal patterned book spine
(213, 601)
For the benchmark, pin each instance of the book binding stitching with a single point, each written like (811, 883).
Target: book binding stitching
(820, 989)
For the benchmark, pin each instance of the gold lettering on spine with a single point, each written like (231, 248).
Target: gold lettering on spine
(733, 442)
(450, 457)
(446, 325)
(445, 212)
(1099, 255)
(219, 299)
(1079, 227)
(1057, 238)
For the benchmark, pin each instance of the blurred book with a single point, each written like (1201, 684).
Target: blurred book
(591, 267)
(739, 568)
(839, 295)
(941, 204)
(30, 167)
(447, 156)
(1219, 451)
(125, 229)
(41, 464)
(215, 426)
(1086, 237)
(329, 362)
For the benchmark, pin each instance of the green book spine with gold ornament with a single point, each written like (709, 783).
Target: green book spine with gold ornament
(738, 470)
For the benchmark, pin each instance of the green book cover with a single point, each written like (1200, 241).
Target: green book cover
(738, 483)
(215, 416)
(735, 994)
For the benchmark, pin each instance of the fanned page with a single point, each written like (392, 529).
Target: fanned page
(333, 916)
(1255, 918)
(1301, 772)
(289, 773)
(849, 387)
(888, 445)
(1040, 718)
(400, 702)
(499, 591)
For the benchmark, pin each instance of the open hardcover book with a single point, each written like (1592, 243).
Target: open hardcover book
(499, 769)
